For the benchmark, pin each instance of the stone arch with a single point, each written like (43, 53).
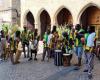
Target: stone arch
(67, 12)
(84, 8)
(90, 15)
(44, 21)
(29, 20)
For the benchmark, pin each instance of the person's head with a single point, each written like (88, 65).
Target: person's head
(2, 33)
(25, 28)
(54, 29)
(70, 26)
(91, 29)
(78, 27)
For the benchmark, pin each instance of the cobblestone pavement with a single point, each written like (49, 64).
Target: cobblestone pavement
(37, 70)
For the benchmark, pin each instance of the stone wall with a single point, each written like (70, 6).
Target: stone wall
(5, 13)
(16, 11)
(76, 8)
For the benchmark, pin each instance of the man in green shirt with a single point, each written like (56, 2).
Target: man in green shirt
(45, 40)
(25, 40)
(79, 44)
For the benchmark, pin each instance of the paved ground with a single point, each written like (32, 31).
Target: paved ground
(37, 70)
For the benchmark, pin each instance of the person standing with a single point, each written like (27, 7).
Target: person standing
(3, 45)
(89, 51)
(45, 50)
(78, 44)
(0, 50)
(25, 40)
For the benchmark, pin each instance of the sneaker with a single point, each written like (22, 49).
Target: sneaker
(77, 68)
(16, 62)
(85, 70)
(90, 76)
(29, 59)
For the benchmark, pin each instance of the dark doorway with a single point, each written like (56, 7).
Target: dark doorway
(91, 16)
(64, 17)
(30, 21)
(45, 22)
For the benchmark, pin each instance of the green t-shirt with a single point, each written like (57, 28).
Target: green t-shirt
(45, 38)
(86, 36)
(25, 36)
(78, 42)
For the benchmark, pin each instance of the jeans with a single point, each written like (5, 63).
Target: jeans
(27, 44)
(79, 51)
(89, 57)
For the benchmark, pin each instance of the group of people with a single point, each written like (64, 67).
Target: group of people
(65, 38)
(12, 46)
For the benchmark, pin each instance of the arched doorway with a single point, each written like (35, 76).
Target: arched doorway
(91, 16)
(64, 17)
(45, 22)
(30, 21)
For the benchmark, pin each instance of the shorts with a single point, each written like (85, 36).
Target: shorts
(79, 51)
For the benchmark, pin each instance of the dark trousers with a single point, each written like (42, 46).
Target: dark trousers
(27, 44)
(46, 50)
(35, 52)
(12, 56)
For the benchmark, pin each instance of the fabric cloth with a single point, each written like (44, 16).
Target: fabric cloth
(89, 62)
(20, 46)
(25, 36)
(45, 39)
(34, 44)
(79, 51)
(0, 48)
(86, 36)
(17, 56)
(49, 38)
(90, 39)
(3, 45)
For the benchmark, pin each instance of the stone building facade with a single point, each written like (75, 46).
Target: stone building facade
(42, 14)
(10, 11)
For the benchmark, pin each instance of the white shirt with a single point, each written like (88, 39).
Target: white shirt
(90, 39)
(49, 38)
(33, 44)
